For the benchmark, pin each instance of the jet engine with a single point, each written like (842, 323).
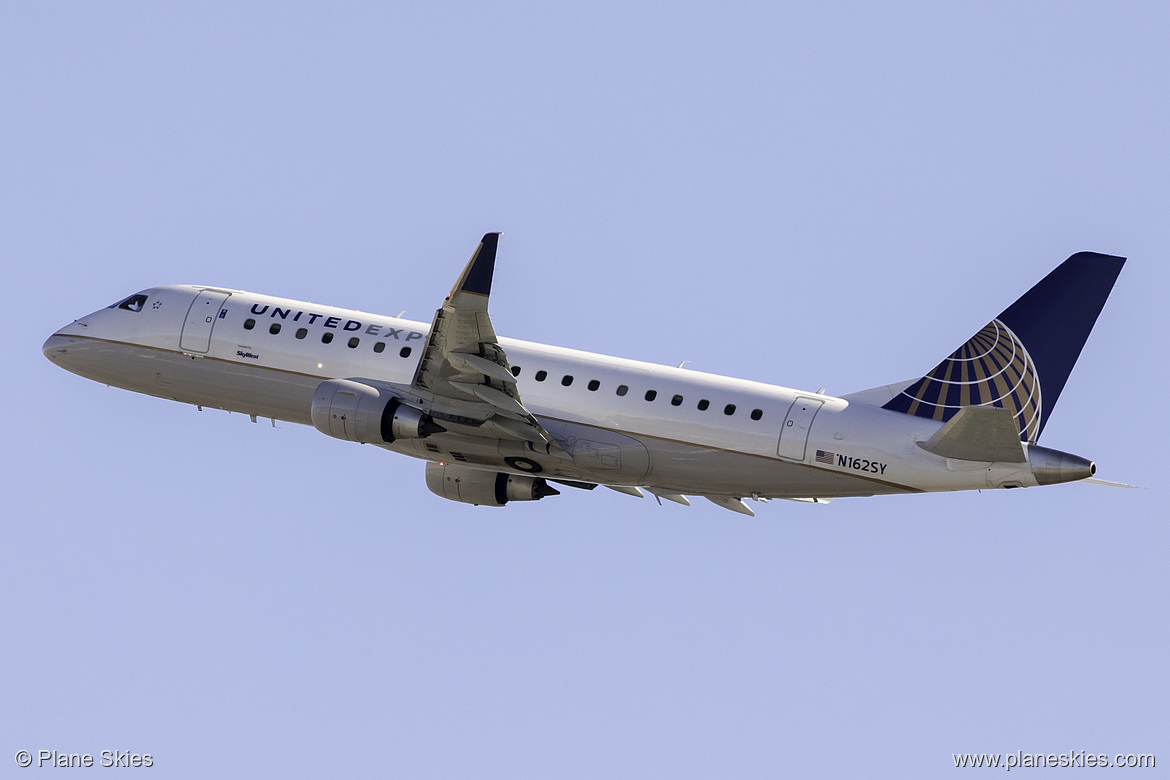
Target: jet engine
(489, 488)
(355, 411)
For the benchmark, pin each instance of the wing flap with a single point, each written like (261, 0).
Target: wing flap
(464, 372)
(482, 365)
(733, 503)
(497, 398)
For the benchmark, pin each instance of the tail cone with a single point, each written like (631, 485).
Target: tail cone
(1051, 467)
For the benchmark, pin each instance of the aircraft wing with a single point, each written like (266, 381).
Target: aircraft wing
(464, 377)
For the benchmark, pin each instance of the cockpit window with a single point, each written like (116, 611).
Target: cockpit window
(133, 303)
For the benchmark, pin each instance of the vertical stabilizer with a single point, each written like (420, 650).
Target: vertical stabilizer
(1021, 359)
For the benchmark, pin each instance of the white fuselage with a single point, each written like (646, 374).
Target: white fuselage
(624, 422)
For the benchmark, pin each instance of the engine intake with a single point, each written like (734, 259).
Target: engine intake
(488, 488)
(355, 411)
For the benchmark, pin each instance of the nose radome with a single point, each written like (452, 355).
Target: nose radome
(56, 347)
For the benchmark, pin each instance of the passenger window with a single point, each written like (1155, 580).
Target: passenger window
(622, 390)
(676, 401)
(515, 370)
(326, 337)
(404, 352)
(354, 342)
(729, 409)
(566, 380)
(379, 346)
(651, 395)
(594, 384)
(302, 332)
(274, 328)
(757, 414)
(703, 405)
(249, 323)
(541, 375)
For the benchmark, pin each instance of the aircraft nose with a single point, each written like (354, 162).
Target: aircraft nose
(56, 347)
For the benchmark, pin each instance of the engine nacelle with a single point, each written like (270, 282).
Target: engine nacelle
(355, 411)
(487, 488)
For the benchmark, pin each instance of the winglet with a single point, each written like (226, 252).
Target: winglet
(477, 276)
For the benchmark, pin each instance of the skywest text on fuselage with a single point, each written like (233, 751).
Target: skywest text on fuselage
(382, 331)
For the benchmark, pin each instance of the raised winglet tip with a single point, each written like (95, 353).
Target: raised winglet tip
(477, 277)
(1099, 256)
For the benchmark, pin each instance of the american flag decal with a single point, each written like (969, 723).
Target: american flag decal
(828, 458)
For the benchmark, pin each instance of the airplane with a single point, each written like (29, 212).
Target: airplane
(499, 420)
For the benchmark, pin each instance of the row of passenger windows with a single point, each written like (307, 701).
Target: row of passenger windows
(326, 337)
(566, 380)
(676, 400)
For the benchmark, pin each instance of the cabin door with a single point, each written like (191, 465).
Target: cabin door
(798, 423)
(201, 319)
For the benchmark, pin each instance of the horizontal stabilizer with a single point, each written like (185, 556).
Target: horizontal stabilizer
(983, 433)
(1107, 483)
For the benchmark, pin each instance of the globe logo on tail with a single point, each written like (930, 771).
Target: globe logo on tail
(991, 369)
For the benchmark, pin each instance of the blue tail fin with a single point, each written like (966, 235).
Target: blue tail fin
(1022, 359)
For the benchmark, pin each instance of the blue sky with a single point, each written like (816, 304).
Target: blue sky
(831, 195)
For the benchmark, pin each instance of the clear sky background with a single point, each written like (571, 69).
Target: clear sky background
(833, 194)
